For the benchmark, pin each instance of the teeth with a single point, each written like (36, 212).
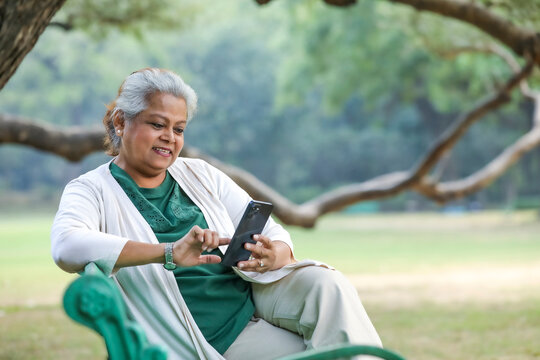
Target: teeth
(163, 151)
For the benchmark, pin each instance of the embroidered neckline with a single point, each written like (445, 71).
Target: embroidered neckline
(173, 211)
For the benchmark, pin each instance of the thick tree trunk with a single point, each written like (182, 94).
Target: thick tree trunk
(21, 24)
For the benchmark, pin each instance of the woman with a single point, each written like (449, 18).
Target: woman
(148, 206)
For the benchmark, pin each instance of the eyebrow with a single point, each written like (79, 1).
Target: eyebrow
(167, 119)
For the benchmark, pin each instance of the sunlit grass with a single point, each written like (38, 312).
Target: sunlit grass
(45, 332)
(33, 324)
(28, 274)
(465, 331)
(420, 242)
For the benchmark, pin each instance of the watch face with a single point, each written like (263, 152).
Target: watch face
(170, 266)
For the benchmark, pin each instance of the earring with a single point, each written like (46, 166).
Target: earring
(118, 131)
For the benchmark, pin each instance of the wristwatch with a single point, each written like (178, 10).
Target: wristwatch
(169, 263)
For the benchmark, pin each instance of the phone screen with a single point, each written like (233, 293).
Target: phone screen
(253, 222)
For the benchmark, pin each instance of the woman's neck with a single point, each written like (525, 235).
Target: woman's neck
(143, 179)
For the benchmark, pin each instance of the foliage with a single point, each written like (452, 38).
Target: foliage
(384, 54)
(99, 18)
(305, 96)
(522, 12)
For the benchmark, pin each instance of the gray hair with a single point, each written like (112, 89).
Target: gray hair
(133, 99)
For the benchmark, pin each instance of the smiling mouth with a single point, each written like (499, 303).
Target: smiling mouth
(162, 150)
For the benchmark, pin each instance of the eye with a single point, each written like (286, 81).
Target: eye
(157, 125)
(178, 130)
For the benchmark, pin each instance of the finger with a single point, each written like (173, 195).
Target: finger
(215, 240)
(224, 241)
(209, 259)
(208, 238)
(253, 265)
(256, 251)
(197, 233)
(262, 240)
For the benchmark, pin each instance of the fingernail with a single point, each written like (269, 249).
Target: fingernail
(249, 246)
(255, 237)
(241, 266)
(204, 248)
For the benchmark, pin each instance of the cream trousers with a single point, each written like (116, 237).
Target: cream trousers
(309, 308)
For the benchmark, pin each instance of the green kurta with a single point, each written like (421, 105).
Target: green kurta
(219, 300)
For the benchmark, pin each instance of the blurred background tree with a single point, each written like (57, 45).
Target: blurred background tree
(306, 96)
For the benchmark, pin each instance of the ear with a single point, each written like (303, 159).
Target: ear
(119, 120)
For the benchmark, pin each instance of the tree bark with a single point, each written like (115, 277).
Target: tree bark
(72, 144)
(21, 24)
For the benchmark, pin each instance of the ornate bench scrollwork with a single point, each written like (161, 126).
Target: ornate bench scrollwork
(94, 301)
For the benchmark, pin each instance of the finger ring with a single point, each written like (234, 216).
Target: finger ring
(261, 264)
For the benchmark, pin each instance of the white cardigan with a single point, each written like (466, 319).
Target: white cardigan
(96, 218)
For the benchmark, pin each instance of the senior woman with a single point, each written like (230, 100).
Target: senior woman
(147, 202)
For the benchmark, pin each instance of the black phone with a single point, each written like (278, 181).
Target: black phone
(253, 222)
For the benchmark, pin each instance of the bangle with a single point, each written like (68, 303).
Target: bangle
(169, 261)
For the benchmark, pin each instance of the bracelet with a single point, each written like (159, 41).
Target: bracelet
(169, 261)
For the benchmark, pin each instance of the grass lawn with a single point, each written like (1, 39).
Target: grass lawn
(28, 275)
(435, 286)
(413, 242)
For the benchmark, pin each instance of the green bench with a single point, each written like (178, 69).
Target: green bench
(94, 301)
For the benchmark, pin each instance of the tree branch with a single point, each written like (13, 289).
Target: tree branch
(341, 3)
(287, 211)
(73, 144)
(451, 190)
(383, 186)
(524, 42)
(494, 50)
(66, 26)
(449, 138)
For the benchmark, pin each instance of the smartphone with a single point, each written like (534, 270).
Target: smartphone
(253, 221)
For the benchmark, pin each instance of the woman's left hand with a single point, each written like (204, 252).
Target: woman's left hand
(266, 255)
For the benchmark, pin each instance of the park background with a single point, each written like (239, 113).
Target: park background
(307, 97)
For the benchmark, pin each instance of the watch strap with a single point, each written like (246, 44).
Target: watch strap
(169, 261)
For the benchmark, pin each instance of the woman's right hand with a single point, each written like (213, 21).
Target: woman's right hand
(187, 251)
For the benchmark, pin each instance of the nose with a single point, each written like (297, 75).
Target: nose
(168, 135)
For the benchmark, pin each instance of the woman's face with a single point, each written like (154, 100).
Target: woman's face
(152, 141)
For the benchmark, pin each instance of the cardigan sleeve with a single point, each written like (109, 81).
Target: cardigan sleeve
(77, 237)
(236, 199)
